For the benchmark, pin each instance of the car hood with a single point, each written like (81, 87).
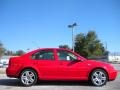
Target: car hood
(95, 63)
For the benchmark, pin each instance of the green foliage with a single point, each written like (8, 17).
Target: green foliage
(88, 45)
(64, 46)
(2, 50)
(19, 52)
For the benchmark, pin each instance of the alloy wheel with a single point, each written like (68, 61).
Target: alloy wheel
(28, 77)
(99, 77)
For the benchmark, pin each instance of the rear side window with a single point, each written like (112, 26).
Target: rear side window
(43, 55)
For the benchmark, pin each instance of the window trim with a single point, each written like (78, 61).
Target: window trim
(67, 52)
(43, 59)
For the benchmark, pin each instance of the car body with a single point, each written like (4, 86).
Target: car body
(58, 64)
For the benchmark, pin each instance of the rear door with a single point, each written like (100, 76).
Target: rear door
(46, 63)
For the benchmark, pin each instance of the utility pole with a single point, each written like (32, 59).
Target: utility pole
(106, 45)
(72, 28)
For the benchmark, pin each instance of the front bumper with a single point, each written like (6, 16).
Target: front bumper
(113, 75)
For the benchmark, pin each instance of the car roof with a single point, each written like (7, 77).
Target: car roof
(52, 48)
(33, 51)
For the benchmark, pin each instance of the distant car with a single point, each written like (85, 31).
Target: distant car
(1, 65)
(4, 60)
(58, 64)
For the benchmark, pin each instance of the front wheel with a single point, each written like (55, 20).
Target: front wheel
(28, 77)
(98, 77)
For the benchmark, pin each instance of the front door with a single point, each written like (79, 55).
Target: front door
(70, 67)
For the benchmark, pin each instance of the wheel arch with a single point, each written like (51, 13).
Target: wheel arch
(98, 68)
(29, 68)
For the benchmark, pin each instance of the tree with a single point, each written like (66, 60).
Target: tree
(88, 45)
(2, 50)
(19, 52)
(64, 46)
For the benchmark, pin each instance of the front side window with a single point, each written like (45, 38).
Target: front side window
(44, 55)
(65, 55)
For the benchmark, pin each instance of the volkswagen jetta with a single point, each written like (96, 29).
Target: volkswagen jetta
(58, 64)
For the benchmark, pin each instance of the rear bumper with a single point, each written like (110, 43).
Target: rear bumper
(12, 72)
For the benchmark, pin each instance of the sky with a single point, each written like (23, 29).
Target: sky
(30, 24)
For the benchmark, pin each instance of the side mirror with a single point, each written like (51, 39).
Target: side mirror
(79, 59)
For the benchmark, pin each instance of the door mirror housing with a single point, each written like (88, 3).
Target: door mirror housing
(79, 59)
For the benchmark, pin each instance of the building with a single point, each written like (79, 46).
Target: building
(114, 57)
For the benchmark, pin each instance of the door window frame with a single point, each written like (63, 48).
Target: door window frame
(67, 52)
(43, 50)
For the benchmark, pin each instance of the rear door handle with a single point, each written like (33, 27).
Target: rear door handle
(35, 63)
(61, 63)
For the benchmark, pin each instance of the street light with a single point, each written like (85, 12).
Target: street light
(72, 27)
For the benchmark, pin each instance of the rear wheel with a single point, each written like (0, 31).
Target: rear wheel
(28, 77)
(98, 77)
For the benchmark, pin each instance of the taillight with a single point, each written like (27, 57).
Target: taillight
(10, 62)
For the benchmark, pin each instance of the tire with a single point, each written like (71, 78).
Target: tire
(28, 77)
(98, 77)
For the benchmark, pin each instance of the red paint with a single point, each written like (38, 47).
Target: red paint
(56, 69)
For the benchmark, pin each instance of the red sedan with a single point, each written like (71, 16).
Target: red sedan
(58, 64)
